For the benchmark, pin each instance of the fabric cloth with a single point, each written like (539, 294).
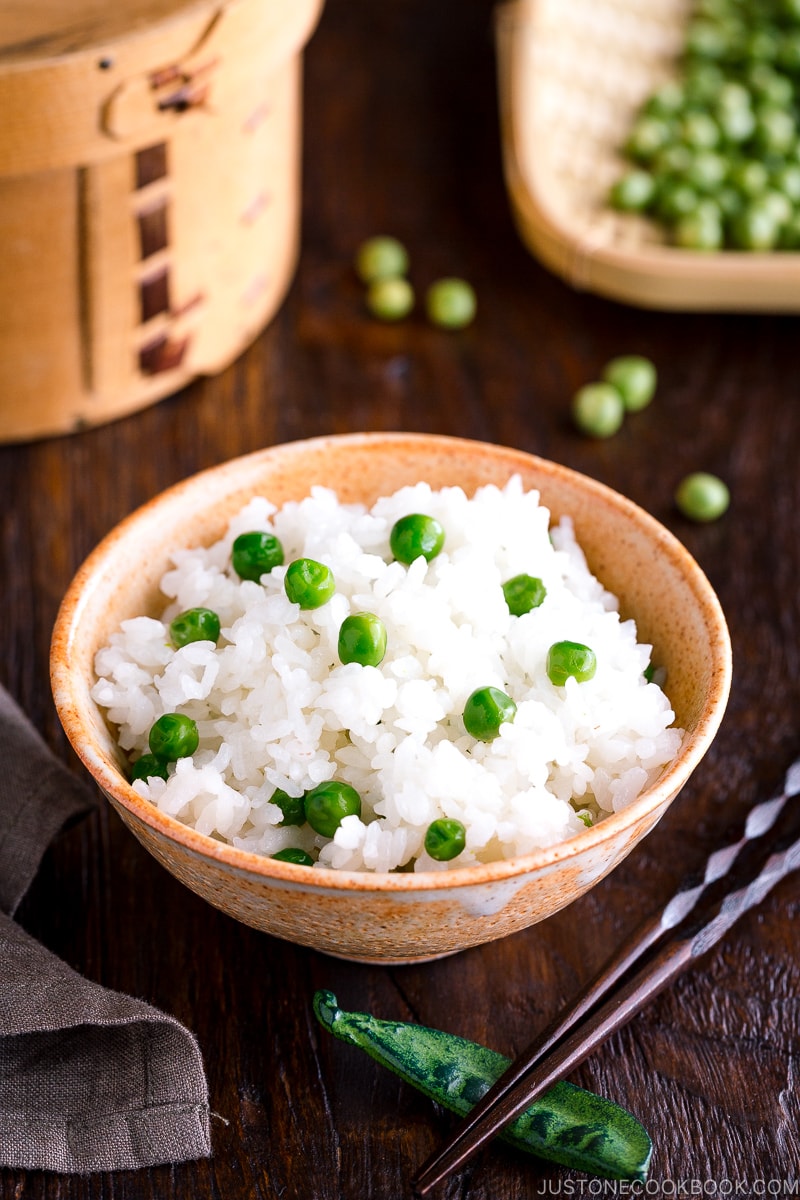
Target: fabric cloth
(90, 1079)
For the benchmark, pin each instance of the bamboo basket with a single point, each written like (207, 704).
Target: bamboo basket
(149, 197)
(572, 73)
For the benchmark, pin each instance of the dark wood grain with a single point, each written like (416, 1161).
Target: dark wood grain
(402, 137)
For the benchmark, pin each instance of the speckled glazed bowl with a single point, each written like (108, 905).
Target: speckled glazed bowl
(394, 918)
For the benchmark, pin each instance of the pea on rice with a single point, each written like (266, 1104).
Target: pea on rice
(275, 708)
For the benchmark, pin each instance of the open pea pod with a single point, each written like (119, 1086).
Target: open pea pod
(567, 1125)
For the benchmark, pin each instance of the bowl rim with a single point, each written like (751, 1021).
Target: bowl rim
(68, 704)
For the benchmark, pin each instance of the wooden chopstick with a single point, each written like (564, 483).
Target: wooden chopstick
(556, 1052)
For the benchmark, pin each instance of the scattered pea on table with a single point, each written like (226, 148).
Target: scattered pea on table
(451, 303)
(390, 299)
(634, 377)
(628, 385)
(598, 410)
(381, 257)
(702, 496)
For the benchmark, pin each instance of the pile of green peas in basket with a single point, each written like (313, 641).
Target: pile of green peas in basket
(715, 152)
(362, 639)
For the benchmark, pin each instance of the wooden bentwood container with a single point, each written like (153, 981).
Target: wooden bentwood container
(149, 197)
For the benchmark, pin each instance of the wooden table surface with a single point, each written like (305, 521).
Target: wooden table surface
(402, 136)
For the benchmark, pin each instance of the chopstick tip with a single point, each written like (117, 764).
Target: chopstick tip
(426, 1178)
(418, 1186)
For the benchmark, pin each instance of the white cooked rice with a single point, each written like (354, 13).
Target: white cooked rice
(276, 709)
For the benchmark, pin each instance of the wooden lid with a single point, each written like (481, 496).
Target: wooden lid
(36, 30)
(85, 80)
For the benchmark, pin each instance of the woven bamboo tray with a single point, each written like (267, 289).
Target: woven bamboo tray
(571, 75)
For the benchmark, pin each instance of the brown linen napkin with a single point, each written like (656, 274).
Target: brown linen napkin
(90, 1079)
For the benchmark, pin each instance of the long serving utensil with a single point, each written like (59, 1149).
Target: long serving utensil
(553, 1054)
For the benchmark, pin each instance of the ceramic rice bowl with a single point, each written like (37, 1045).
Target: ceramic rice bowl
(394, 917)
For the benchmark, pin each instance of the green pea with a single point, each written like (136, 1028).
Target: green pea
(768, 85)
(761, 45)
(707, 171)
(700, 131)
(328, 804)
(673, 160)
(194, 625)
(779, 205)
(755, 228)
(173, 736)
(729, 201)
(523, 593)
(737, 125)
(309, 583)
(707, 39)
(666, 101)
(700, 230)
(292, 807)
(445, 839)
(790, 233)
(362, 639)
(731, 96)
(414, 535)
(702, 496)
(750, 177)
(255, 554)
(390, 299)
(146, 766)
(451, 303)
(598, 410)
(634, 191)
(381, 257)
(716, 9)
(775, 131)
(293, 854)
(655, 674)
(702, 83)
(648, 136)
(485, 711)
(676, 199)
(786, 179)
(635, 379)
(789, 55)
(570, 660)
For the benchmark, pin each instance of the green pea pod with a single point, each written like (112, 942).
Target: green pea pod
(567, 1125)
